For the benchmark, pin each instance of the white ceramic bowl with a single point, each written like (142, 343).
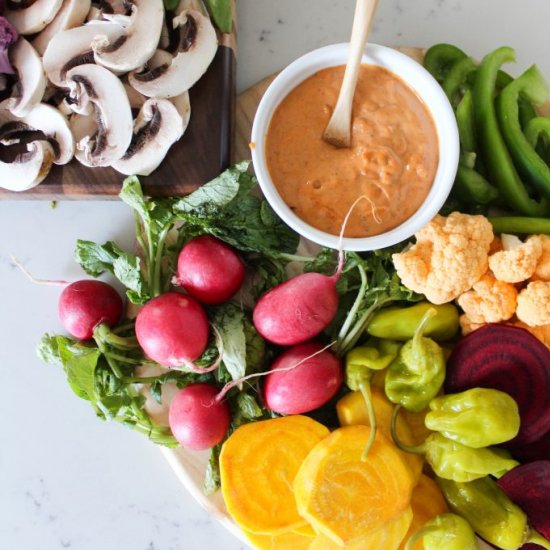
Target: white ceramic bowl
(425, 86)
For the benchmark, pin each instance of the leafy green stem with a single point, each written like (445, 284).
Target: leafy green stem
(355, 307)
(355, 333)
(156, 282)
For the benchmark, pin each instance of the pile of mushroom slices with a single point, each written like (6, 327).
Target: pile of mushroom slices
(107, 83)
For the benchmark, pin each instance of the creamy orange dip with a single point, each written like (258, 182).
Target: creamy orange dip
(392, 160)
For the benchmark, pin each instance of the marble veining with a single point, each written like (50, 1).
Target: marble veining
(68, 480)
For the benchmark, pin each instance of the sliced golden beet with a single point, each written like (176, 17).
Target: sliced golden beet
(388, 537)
(426, 502)
(258, 463)
(351, 410)
(345, 498)
(415, 422)
(290, 540)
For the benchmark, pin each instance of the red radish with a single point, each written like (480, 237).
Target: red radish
(298, 309)
(172, 329)
(85, 304)
(509, 359)
(210, 270)
(302, 379)
(528, 486)
(196, 419)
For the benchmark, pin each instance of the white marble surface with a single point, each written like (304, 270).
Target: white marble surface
(68, 480)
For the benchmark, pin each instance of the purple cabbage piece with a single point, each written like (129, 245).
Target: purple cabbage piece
(8, 36)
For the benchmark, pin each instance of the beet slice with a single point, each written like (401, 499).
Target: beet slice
(509, 359)
(528, 486)
(538, 450)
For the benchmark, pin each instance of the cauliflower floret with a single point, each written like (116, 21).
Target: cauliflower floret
(542, 271)
(490, 301)
(496, 246)
(450, 255)
(467, 325)
(534, 304)
(518, 260)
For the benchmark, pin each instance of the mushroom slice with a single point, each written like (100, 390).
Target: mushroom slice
(72, 47)
(196, 50)
(27, 169)
(183, 105)
(96, 89)
(157, 127)
(51, 123)
(54, 125)
(72, 14)
(31, 82)
(139, 41)
(32, 17)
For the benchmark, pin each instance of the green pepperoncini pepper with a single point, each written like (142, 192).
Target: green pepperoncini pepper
(445, 532)
(361, 363)
(478, 417)
(452, 460)
(400, 323)
(416, 375)
(491, 513)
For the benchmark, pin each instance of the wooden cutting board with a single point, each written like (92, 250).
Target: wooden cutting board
(204, 151)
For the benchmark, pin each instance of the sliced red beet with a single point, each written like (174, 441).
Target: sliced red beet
(528, 486)
(538, 450)
(509, 359)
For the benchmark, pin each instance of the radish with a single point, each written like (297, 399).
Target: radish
(196, 419)
(172, 329)
(298, 309)
(528, 486)
(512, 360)
(302, 379)
(210, 270)
(83, 305)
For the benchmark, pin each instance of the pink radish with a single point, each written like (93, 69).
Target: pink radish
(172, 329)
(298, 309)
(196, 419)
(85, 304)
(210, 270)
(302, 379)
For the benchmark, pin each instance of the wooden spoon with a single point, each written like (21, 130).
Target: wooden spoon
(338, 130)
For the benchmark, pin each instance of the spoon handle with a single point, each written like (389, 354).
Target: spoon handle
(338, 131)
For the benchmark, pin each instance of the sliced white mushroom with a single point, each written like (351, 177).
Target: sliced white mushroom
(27, 169)
(29, 89)
(139, 41)
(72, 14)
(183, 105)
(54, 125)
(47, 120)
(72, 47)
(30, 18)
(95, 14)
(96, 87)
(158, 126)
(134, 97)
(196, 50)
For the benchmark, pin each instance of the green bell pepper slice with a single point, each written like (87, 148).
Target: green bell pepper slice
(531, 85)
(496, 157)
(491, 513)
(478, 417)
(445, 532)
(440, 58)
(457, 78)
